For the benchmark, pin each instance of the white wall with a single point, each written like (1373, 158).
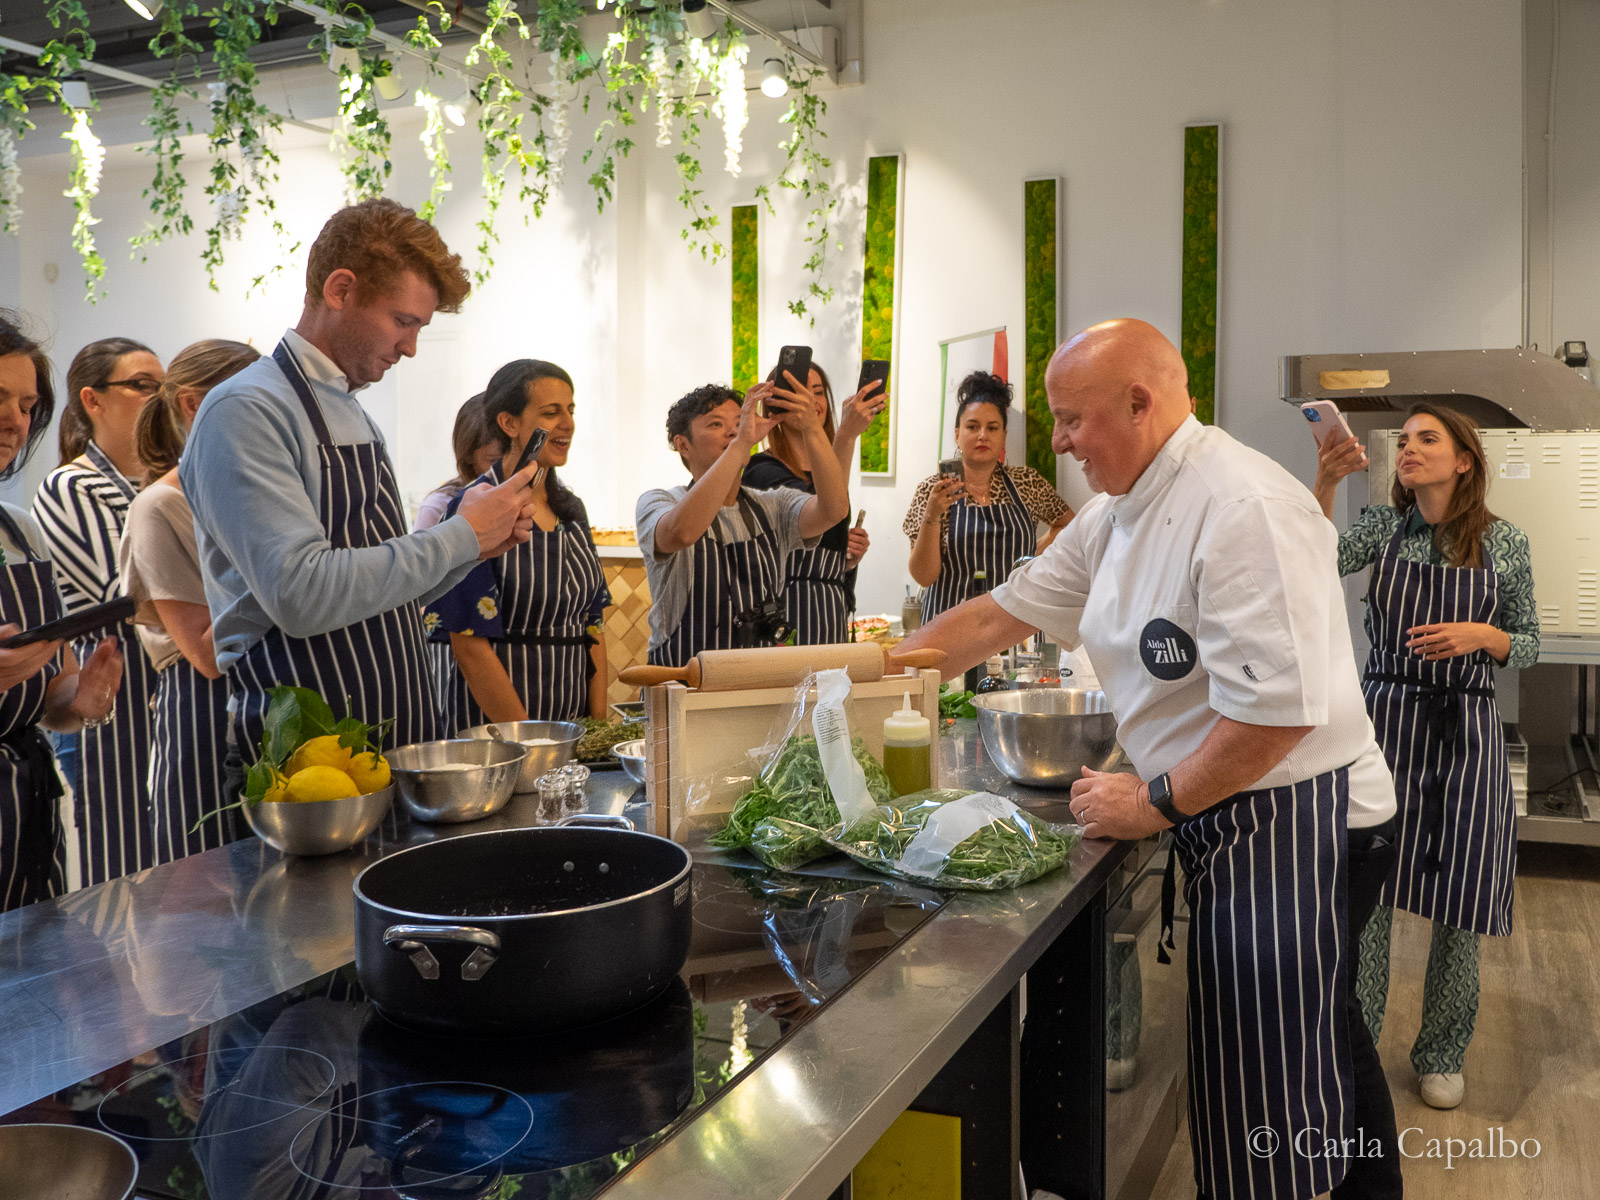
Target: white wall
(1371, 200)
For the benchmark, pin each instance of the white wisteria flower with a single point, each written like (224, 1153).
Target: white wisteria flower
(91, 154)
(10, 179)
(732, 104)
(560, 133)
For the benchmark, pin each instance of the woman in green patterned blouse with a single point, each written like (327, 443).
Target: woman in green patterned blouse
(1451, 596)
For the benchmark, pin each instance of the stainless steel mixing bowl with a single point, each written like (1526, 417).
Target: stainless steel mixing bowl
(64, 1162)
(318, 826)
(563, 734)
(462, 779)
(1044, 737)
(631, 756)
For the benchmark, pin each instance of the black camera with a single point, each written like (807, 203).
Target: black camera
(763, 625)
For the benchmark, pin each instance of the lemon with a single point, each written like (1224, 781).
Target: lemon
(321, 783)
(322, 751)
(278, 791)
(369, 772)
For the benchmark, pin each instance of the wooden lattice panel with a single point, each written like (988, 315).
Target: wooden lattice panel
(627, 623)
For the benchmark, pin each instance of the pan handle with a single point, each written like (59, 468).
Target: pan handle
(600, 820)
(409, 939)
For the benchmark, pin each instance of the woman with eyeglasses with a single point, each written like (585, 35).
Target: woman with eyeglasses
(81, 508)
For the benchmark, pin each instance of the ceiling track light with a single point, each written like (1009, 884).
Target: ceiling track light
(148, 9)
(774, 82)
(75, 94)
(698, 19)
(457, 107)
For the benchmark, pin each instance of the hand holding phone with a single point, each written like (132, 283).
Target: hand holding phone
(795, 361)
(79, 624)
(1326, 421)
(531, 451)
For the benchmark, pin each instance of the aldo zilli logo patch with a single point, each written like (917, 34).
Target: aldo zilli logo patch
(1168, 652)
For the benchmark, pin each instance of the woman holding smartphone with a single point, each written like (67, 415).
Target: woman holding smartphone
(819, 588)
(40, 683)
(1451, 596)
(160, 568)
(525, 629)
(968, 527)
(82, 507)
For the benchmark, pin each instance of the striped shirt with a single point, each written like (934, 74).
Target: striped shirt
(1504, 545)
(81, 514)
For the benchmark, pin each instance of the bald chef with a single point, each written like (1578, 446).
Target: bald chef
(1204, 589)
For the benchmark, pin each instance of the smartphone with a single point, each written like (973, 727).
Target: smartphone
(861, 518)
(531, 450)
(796, 360)
(875, 368)
(1326, 420)
(101, 616)
(951, 468)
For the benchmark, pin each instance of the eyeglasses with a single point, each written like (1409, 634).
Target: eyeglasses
(145, 387)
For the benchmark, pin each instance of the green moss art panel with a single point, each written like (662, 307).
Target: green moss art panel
(1201, 163)
(1040, 207)
(745, 259)
(877, 295)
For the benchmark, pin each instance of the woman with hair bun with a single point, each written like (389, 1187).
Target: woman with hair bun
(40, 684)
(1451, 596)
(525, 628)
(82, 507)
(989, 516)
(160, 568)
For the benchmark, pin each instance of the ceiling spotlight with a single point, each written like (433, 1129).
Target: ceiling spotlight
(148, 9)
(774, 82)
(456, 109)
(342, 59)
(390, 83)
(75, 94)
(698, 19)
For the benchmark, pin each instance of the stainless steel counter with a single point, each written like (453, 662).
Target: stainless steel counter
(94, 978)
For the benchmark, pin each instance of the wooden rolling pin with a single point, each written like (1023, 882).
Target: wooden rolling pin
(781, 666)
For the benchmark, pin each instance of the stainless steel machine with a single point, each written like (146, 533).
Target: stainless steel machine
(1539, 418)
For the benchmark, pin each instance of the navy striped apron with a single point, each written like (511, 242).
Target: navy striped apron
(1439, 727)
(189, 734)
(727, 579)
(980, 537)
(374, 669)
(111, 806)
(30, 816)
(1266, 879)
(547, 589)
(815, 595)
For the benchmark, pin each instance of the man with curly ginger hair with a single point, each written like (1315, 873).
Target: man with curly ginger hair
(311, 576)
(714, 551)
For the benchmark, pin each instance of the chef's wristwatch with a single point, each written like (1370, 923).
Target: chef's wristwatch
(1161, 797)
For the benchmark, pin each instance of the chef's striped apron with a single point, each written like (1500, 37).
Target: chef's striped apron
(726, 579)
(189, 734)
(980, 537)
(1266, 879)
(111, 806)
(547, 589)
(30, 815)
(1439, 727)
(374, 669)
(815, 595)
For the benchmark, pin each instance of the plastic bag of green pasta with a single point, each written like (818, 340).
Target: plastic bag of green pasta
(944, 838)
(814, 782)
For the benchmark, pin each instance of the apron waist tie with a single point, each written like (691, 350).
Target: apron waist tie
(1442, 710)
(545, 639)
(37, 846)
(1169, 880)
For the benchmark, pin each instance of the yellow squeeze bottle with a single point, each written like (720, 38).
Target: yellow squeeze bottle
(908, 750)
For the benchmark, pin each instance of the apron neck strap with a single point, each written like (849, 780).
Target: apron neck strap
(755, 516)
(107, 468)
(14, 532)
(295, 373)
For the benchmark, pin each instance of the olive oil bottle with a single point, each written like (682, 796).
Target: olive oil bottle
(908, 750)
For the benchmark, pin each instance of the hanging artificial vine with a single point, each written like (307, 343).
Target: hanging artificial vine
(13, 124)
(364, 157)
(64, 55)
(165, 195)
(805, 170)
(425, 41)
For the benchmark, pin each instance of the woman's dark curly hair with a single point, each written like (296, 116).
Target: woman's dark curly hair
(509, 391)
(983, 388)
(14, 339)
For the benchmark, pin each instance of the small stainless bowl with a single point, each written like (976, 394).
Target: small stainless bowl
(65, 1162)
(541, 759)
(454, 795)
(312, 827)
(1045, 736)
(631, 756)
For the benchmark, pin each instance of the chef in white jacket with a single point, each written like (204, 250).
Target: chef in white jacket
(1202, 583)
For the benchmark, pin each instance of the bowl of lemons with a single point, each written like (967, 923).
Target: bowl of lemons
(318, 786)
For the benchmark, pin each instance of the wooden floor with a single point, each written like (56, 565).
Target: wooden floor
(1534, 1067)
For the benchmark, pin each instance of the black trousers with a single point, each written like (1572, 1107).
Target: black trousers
(1374, 1172)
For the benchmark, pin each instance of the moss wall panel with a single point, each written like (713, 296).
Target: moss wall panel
(745, 259)
(1202, 161)
(878, 275)
(1041, 208)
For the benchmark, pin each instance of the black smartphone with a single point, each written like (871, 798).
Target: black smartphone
(951, 468)
(875, 368)
(796, 360)
(531, 450)
(101, 616)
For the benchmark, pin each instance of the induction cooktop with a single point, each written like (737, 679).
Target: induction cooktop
(312, 1095)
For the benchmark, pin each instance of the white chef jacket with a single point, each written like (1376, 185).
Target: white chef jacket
(1210, 589)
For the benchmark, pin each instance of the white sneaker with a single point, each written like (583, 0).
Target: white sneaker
(1443, 1091)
